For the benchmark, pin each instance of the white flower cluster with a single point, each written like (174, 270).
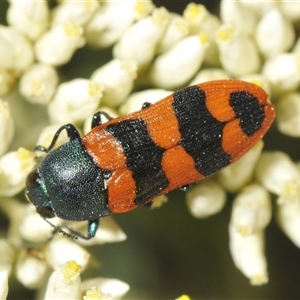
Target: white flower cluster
(163, 51)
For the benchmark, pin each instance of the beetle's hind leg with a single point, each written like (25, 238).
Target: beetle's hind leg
(97, 118)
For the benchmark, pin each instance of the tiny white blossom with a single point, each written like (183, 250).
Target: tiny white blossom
(95, 294)
(238, 174)
(14, 211)
(7, 256)
(75, 100)
(7, 81)
(112, 19)
(109, 286)
(208, 75)
(201, 21)
(139, 42)
(38, 83)
(16, 52)
(288, 216)
(57, 46)
(14, 167)
(31, 268)
(6, 126)
(248, 255)
(243, 18)
(188, 54)
(259, 7)
(117, 77)
(279, 175)
(288, 114)
(274, 34)
(29, 17)
(65, 282)
(79, 12)
(177, 29)
(290, 9)
(251, 210)
(238, 53)
(61, 249)
(283, 72)
(196, 15)
(34, 228)
(205, 198)
(3, 284)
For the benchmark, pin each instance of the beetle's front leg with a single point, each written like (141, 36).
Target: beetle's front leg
(91, 229)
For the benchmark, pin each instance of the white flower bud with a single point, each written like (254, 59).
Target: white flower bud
(290, 10)
(283, 72)
(108, 232)
(3, 284)
(16, 52)
(117, 77)
(88, 121)
(274, 34)
(29, 17)
(7, 81)
(65, 282)
(79, 12)
(34, 228)
(259, 7)
(95, 294)
(188, 54)
(38, 83)
(288, 114)
(205, 198)
(139, 42)
(6, 126)
(14, 210)
(75, 100)
(251, 210)
(112, 19)
(238, 52)
(7, 256)
(238, 174)
(243, 18)
(196, 15)
(136, 100)
(288, 217)
(209, 75)
(14, 168)
(109, 286)
(178, 29)
(31, 268)
(248, 255)
(279, 175)
(57, 46)
(63, 249)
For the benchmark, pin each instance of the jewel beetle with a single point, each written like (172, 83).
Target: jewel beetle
(128, 161)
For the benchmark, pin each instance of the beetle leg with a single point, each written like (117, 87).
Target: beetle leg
(185, 187)
(97, 120)
(146, 105)
(91, 230)
(72, 133)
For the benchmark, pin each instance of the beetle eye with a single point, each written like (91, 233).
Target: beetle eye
(46, 212)
(32, 180)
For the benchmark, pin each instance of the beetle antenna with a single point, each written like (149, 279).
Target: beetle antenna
(58, 229)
